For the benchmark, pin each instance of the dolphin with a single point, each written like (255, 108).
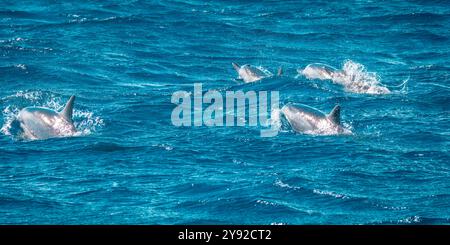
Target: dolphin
(321, 72)
(310, 121)
(44, 123)
(250, 73)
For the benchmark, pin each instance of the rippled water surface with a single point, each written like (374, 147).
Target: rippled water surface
(130, 165)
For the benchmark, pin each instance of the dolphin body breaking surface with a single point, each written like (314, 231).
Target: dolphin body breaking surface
(44, 123)
(250, 73)
(353, 77)
(310, 121)
(320, 71)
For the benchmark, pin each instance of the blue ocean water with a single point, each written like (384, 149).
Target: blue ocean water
(130, 165)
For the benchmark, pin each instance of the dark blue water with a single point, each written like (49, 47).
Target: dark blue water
(130, 165)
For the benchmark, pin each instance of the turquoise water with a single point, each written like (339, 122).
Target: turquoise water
(130, 165)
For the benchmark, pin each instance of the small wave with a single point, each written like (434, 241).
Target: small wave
(278, 223)
(411, 220)
(330, 193)
(281, 184)
(84, 120)
(21, 66)
(166, 147)
(436, 85)
(266, 203)
(417, 220)
(12, 41)
(78, 19)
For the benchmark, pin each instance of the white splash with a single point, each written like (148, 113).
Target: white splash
(275, 119)
(357, 79)
(86, 122)
(265, 71)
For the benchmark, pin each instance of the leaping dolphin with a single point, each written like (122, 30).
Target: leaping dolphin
(310, 121)
(44, 123)
(250, 73)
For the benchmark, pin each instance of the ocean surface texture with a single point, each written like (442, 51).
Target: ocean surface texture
(128, 164)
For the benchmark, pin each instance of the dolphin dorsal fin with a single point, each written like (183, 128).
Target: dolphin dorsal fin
(236, 66)
(335, 115)
(67, 112)
(280, 71)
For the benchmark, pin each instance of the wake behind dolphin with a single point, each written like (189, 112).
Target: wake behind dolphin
(44, 123)
(353, 77)
(308, 120)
